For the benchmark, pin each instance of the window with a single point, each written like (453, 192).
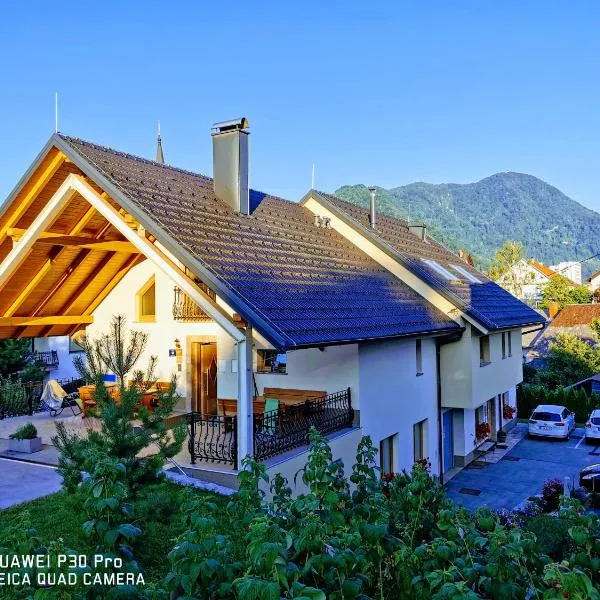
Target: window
(484, 350)
(271, 361)
(419, 352)
(440, 270)
(468, 276)
(506, 344)
(419, 440)
(386, 454)
(146, 302)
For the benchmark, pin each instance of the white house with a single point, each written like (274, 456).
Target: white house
(526, 280)
(571, 269)
(273, 315)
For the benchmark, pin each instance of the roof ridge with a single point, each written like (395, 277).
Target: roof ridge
(128, 155)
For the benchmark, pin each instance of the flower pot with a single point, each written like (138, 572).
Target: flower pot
(501, 436)
(25, 446)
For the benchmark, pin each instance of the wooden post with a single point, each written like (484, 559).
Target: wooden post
(245, 417)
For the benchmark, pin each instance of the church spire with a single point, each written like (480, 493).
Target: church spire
(160, 157)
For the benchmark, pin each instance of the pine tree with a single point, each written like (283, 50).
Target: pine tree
(130, 434)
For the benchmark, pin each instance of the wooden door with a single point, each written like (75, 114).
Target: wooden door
(204, 377)
(209, 378)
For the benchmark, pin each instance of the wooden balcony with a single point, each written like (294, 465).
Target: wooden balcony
(185, 309)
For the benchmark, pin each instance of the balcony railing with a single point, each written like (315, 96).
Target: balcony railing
(280, 430)
(185, 309)
(213, 438)
(48, 359)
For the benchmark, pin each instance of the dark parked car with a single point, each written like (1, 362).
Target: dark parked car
(589, 478)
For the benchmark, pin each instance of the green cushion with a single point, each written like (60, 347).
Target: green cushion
(271, 404)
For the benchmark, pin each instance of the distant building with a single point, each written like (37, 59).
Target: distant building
(575, 319)
(526, 280)
(594, 281)
(570, 269)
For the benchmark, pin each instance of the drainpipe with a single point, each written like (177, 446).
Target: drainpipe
(245, 417)
(438, 378)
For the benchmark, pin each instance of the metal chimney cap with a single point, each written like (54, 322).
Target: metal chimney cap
(232, 125)
(372, 189)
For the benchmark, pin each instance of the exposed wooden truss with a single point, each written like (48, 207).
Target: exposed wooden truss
(46, 320)
(70, 249)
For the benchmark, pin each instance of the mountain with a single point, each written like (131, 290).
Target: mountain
(481, 216)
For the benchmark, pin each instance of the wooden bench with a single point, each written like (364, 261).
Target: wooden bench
(291, 396)
(483, 448)
(228, 407)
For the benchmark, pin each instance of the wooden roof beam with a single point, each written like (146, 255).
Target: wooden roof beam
(32, 194)
(53, 320)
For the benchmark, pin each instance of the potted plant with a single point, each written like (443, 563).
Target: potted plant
(25, 439)
(482, 431)
(508, 411)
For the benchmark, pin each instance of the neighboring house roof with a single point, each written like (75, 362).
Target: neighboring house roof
(594, 275)
(542, 268)
(486, 302)
(574, 315)
(574, 319)
(305, 285)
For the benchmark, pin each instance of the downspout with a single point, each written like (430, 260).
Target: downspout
(438, 377)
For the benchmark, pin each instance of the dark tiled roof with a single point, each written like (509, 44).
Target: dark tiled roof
(310, 284)
(486, 302)
(574, 315)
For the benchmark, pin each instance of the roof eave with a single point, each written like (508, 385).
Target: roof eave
(37, 161)
(402, 259)
(458, 330)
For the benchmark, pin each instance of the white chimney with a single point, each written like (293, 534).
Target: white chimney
(372, 213)
(230, 163)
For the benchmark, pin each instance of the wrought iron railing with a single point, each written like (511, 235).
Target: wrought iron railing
(48, 359)
(212, 438)
(286, 428)
(185, 309)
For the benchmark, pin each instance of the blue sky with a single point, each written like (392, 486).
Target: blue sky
(384, 93)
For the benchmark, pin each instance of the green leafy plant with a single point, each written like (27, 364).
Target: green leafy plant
(130, 434)
(27, 432)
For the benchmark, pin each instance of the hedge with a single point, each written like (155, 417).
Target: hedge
(577, 401)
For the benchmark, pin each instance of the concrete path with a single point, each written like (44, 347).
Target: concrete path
(521, 473)
(22, 482)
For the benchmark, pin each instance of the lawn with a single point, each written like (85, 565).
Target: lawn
(157, 512)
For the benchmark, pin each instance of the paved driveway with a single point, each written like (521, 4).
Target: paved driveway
(21, 482)
(522, 472)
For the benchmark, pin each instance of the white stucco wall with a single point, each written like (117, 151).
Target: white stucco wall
(332, 370)
(501, 374)
(65, 369)
(394, 398)
(467, 384)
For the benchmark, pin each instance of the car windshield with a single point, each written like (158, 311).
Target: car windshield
(546, 416)
(595, 420)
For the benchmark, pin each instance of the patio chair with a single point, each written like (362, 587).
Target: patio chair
(55, 399)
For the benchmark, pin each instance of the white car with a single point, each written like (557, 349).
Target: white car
(549, 420)
(592, 426)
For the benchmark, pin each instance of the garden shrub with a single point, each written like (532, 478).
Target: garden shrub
(552, 490)
(551, 533)
(27, 432)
